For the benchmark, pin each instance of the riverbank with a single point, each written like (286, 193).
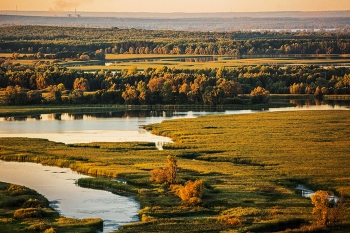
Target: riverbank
(250, 165)
(8, 111)
(23, 209)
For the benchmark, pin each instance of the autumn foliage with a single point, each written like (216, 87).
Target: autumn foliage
(166, 174)
(191, 193)
(327, 211)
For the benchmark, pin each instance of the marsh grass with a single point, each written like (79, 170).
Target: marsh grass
(251, 161)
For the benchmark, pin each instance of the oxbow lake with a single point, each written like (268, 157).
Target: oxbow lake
(58, 184)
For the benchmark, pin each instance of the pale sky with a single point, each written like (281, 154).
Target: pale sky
(175, 5)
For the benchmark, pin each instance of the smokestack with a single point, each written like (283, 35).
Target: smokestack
(75, 12)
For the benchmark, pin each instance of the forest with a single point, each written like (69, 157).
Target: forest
(67, 42)
(27, 84)
(31, 72)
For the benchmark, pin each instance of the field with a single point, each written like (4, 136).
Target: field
(142, 62)
(118, 62)
(250, 165)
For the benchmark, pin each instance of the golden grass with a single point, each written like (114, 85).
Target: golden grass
(251, 161)
(125, 62)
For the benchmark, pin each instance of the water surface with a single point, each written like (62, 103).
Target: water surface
(58, 186)
(122, 126)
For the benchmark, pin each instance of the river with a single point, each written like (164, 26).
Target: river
(58, 184)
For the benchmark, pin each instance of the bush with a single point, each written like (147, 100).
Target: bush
(38, 227)
(191, 193)
(50, 230)
(159, 175)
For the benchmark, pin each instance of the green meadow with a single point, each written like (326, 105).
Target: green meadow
(250, 165)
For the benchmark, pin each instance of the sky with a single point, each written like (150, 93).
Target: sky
(167, 6)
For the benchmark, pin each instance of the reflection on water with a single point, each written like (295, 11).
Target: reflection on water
(58, 186)
(123, 126)
(166, 59)
(318, 102)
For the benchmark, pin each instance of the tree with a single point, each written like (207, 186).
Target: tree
(34, 97)
(143, 93)
(172, 166)
(15, 96)
(259, 95)
(166, 174)
(130, 94)
(321, 201)
(84, 57)
(328, 210)
(100, 54)
(155, 84)
(132, 70)
(213, 95)
(230, 88)
(55, 94)
(81, 84)
(166, 92)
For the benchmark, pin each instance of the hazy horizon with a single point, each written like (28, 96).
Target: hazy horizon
(181, 6)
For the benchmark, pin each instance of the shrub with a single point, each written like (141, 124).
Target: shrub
(50, 230)
(192, 189)
(38, 227)
(147, 218)
(159, 175)
(233, 222)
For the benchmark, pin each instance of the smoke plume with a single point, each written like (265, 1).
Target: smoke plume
(65, 5)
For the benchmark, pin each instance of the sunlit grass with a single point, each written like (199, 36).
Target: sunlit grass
(250, 161)
(125, 61)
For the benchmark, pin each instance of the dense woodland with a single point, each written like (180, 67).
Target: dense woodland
(27, 84)
(64, 42)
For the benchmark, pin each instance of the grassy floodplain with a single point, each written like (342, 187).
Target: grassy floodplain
(250, 165)
(193, 62)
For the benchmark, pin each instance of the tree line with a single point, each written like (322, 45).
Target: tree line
(61, 42)
(165, 85)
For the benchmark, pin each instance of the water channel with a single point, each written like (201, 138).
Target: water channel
(58, 185)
